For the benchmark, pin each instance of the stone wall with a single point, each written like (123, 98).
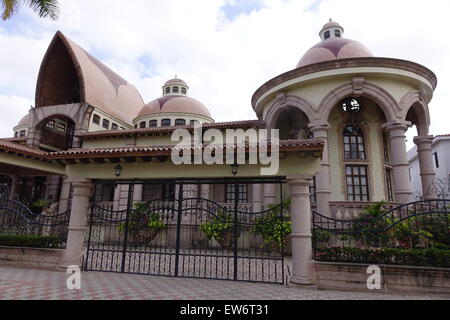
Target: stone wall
(46, 259)
(395, 279)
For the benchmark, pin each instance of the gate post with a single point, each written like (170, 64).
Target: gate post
(301, 229)
(78, 223)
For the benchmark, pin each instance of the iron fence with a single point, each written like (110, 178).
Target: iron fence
(192, 237)
(413, 233)
(16, 219)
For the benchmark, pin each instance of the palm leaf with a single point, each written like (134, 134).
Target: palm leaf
(9, 8)
(44, 8)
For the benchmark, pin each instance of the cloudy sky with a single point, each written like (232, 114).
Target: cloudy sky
(224, 49)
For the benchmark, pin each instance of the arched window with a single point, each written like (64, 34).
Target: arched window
(175, 89)
(143, 124)
(337, 33)
(166, 122)
(354, 143)
(194, 122)
(327, 35)
(167, 90)
(183, 91)
(180, 122)
(114, 127)
(106, 124)
(96, 119)
(51, 124)
(153, 123)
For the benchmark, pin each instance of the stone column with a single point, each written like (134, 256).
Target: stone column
(257, 198)
(204, 191)
(302, 263)
(137, 193)
(64, 196)
(427, 173)
(270, 196)
(14, 187)
(82, 189)
(323, 178)
(402, 183)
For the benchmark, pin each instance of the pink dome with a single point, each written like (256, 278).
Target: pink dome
(333, 49)
(24, 121)
(175, 104)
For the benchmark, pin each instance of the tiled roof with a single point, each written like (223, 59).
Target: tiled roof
(168, 130)
(284, 146)
(19, 148)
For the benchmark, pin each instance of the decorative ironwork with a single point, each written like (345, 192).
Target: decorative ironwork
(186, 237)
(417, 225)
(438, 189)
(18, 219)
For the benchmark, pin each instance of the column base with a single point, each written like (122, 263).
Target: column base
(301, 282)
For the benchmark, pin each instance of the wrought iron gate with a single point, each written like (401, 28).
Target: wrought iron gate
(181, 236)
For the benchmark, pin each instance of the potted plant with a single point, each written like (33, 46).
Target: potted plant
(38, 206)
(222, 229)
(143, 226)
(274, 227)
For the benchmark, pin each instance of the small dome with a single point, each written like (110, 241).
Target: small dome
(25, 121)
(175, 104)
(175, 81)
(333, 47)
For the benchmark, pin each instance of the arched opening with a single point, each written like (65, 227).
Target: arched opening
(58, 81)
(293, 124)
(358, 142)
(57, 133)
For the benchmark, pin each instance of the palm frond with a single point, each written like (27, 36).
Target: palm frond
(9, 8)
(44, 8)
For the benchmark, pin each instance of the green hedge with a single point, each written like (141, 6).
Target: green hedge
(408, 257)
(29, 241)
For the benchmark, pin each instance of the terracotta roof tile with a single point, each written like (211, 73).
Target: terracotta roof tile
(16, 147)
(168, 130)
(285, 145)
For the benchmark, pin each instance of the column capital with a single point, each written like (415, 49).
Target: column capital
(420, 140)
(300, 179)
(394, 125)
(81, 187)
(319, 126)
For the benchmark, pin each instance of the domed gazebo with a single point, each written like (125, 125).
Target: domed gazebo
(361, 105)
(174, 108)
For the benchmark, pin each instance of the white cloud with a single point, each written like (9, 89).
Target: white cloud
(17, 108)
(225, 61)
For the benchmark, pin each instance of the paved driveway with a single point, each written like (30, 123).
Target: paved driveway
(24, 284)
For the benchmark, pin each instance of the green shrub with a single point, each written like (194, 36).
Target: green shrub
(220, 228)
(30, 241)
(272, 228)
(410, 257)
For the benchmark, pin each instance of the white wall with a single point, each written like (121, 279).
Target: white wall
(441, 146)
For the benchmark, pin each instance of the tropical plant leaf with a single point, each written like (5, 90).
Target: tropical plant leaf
(44, 8)
(9, 8)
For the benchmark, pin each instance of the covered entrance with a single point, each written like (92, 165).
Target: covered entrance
(173, 228)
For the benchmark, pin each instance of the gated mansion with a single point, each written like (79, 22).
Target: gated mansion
(93, 151)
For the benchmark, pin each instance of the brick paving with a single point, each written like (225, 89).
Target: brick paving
(27, 284)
